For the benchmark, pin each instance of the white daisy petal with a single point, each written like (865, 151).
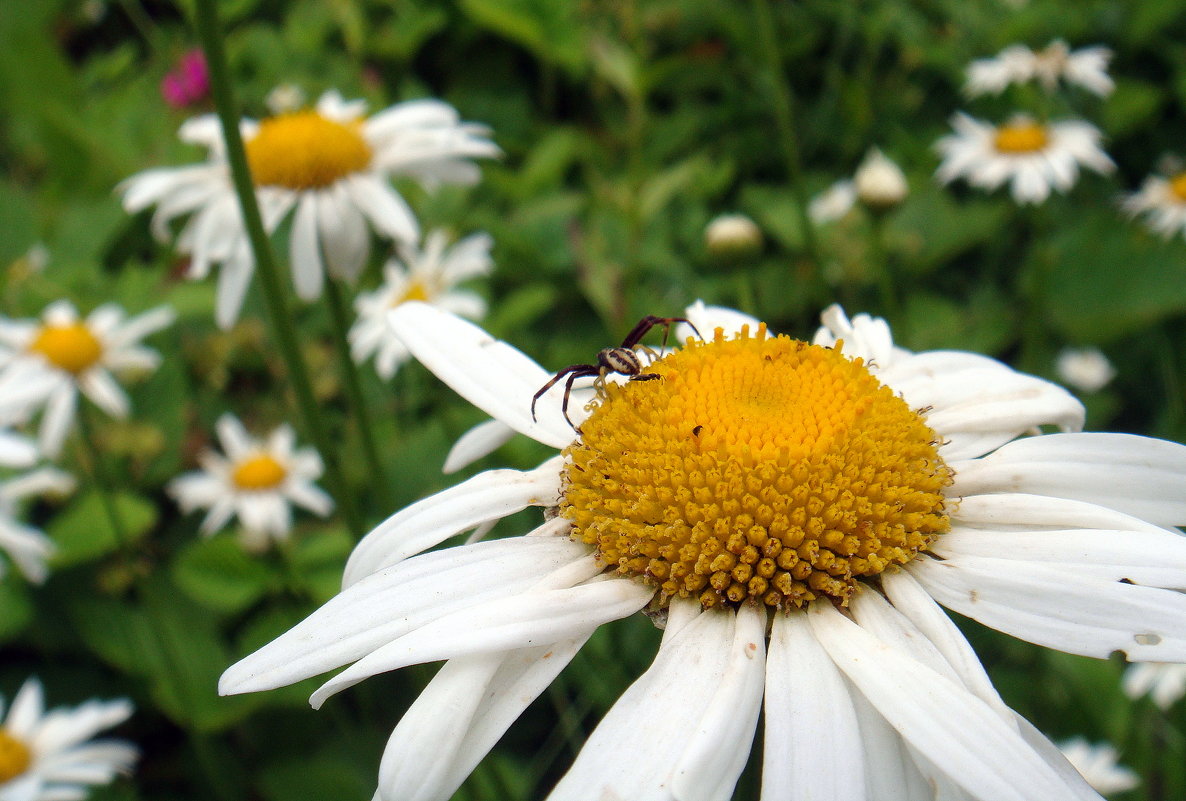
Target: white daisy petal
(811, 726)
(490, 374)
(388, 604)
(1052, 607)
(308, 274)
(481, 440)
(984, 754)
(486, 496)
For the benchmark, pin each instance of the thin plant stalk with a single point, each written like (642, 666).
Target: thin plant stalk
(783, 102)
(210, 34)
(886, 279)
(353, 383)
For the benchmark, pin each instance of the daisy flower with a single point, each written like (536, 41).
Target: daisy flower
(1099, 764)
(328, 167)
(1017, 64)
(45, 363)
(27, 547)
(1033, 157)
(1086, 369)
(257, 480)
(729, 235)
(794, 514)
(833, 203)
(1163, 682)
(427, 275)
(51, 756)
(1162, 201)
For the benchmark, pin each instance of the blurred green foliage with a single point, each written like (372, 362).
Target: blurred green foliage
(627, 127)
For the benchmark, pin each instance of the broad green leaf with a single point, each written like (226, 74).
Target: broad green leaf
(83, 531)
(218, 573)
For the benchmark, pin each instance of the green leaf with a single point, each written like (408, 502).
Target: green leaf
(16, 609)
(83, 532)
(219, 574)
(1107, 278)
(317, 561)
(549, 29)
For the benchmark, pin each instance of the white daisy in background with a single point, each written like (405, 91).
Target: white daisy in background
(1162, 202)
(51, 756)
(429, 275)
(1086, 369)
(837, 494)
(1017, 64)
(330, 167)
(257, 480)
(1099, 764)
(1164, 682)
(1033, 157)
(878, 184)
(45, 363)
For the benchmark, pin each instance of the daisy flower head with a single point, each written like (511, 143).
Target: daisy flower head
(833, 203)
(1032, 157)
(51, 756)
(329, 168)
(1164, 682)
(431, 275)
(1018, 64)
(256, 480)
(1100, 766)
(1161, 200)
(796, 513)
(45, 363)
(1086, 369)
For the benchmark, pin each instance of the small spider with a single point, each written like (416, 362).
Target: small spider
(622, 360)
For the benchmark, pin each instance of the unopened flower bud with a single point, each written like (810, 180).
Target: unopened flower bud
(880, 183)
(732, 236)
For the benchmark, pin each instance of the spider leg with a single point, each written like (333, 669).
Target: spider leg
(552, 382)
(568, 391)
(639, 331)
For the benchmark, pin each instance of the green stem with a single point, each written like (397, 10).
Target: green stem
(209, 33)
(101, 478)
(885, 271)
(783, 102)
(351, 379)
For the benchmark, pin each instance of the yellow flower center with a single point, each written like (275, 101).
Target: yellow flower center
(304, 150)
(258, 472)
(754, 468)
(72, 347)
(416, 290)
(1021, 137)
(14, 757)
(1178, 187)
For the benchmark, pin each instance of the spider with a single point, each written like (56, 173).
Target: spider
(622, 360)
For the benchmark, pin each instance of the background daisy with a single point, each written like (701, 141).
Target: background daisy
(1032, 157)
(329, 168)
(45, 364)
(1017, 64)
(257, 481)
(428, 275)
(1161, 201)
(50, 756)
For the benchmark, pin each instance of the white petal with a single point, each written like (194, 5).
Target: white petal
(342, 232)
(525, 620)
(955, 729)
(57, 420)
(481, 440)
(384, 207)
(20, 451)
(304, 250)
(486, 496)
(812, 744)
(1016, 511)
(102, 389)
(644, 735)
(1135, 475)
(1053, 607)
(388, 604)
(490, 374)
(233, 281)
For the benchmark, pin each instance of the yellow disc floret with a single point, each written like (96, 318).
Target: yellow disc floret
(754, 468)
(259, 472)
(14, 757)
(1178, 187)
(1021, 137)
(415, 290)
(304, 150)
(71, 347)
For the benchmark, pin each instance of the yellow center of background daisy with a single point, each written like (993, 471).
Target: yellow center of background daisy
(754, 468)
(304, 150)
(1178, 186)
(416, 290)
(72, 347)
(1021, 137)
(259, 472)
(14, 757)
